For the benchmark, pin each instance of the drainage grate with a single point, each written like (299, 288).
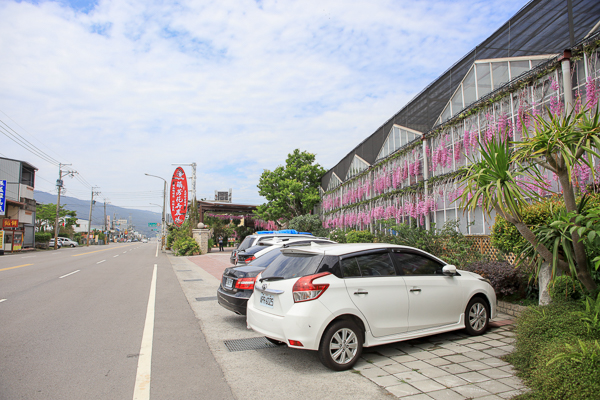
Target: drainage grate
(192, 280)
(254, 343)
(206, 298)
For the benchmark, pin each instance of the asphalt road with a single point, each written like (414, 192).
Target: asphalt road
(81, 323)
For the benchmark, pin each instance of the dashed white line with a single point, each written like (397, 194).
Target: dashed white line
(116, 256)
(29, 257)
(141, 390)
(124, 252)
(100, 262)
(1, 300)
(74, 272)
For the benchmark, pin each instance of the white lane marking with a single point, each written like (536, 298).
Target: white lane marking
(100, 262)
(116, 256)
(74, 272)
(1, 300)
(124, 252)
(29, 257)
(157, 248)
(141, 390)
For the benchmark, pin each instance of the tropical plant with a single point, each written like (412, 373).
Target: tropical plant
(359, 237)
(308, 223)
(186, 246)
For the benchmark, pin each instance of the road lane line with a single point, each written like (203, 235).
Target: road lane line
(116, 256)
(90, 252)
(18, 266)
(1, 300)
(141, 390)
(100, 262)
(124, 252)
(156, 249)
(74, 272)
(29, 257)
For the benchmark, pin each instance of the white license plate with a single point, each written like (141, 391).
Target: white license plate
(266, 300)
(229, 283)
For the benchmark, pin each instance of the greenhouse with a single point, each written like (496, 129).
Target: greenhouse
(544, 60)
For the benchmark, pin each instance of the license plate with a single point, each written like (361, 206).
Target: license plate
(266, 300)
(229, 283)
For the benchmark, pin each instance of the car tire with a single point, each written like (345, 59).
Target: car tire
(72, 245)
(341, 345)
(275, 342)
(477, 316)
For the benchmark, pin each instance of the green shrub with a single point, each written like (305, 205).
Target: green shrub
(338, 235)
(43, 237)
(565, 288)
(186, 246)
(211, 243)
(308, 223)
(547, 340)
(359, 237)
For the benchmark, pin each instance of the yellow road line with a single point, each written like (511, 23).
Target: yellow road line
(90, 252)
(18, 266)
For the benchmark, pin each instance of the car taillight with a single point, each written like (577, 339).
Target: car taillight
(305, 290)
(247, 260)
(245, 283)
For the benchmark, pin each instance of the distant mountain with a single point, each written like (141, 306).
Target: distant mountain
(139, 218)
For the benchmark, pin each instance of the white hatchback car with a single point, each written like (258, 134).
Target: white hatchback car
(338, 298)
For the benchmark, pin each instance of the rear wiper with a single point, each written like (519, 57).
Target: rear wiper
(271, 278)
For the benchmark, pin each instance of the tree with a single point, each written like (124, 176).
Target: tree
(290, 190)
(45, 217)
(309, 223)
(558, 144)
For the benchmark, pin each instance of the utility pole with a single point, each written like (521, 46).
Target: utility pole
(105, 223)
(90, 220)
(59, 185)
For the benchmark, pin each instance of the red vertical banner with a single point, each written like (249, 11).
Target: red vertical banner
(179, 196)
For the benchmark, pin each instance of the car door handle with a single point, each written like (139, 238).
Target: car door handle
(415, 290)
(361, 292)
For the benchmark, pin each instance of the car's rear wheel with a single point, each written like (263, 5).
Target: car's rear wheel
(341, 345)
(477, 316)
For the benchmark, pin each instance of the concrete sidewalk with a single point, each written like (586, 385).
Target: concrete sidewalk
(448, 366)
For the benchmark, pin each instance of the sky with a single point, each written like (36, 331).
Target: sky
(120, 88)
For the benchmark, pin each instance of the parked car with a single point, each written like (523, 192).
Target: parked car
(144, 240)
(68, 242)
(51, 243)
(252, 253)
(254, 239)
(337, 299)
(237, 283)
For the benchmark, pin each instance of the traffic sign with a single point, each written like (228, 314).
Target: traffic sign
(152, 224)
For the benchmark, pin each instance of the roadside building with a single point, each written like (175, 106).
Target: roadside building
(545, 58)
(17, 205)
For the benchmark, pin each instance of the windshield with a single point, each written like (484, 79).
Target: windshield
(265, 259)
(292, 265)
(246, 243)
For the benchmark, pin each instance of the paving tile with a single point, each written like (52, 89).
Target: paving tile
(493, 336)
(508, 333)
(495, 373)
(410, 376)
(475, 365)
(374, 358)
(403, 389)
(425, 355)
(509, 395)
(490, 397)
(494, 386)
(436, 362)
(390, 352)
(464, 341)
(433, 372)
(508, 348)
(454, 347)
(508, 368)
(388, 380)
(477, 346)
(403, 359)
(450, 381)
(442, 352)
(471, 391)
(494, 362)
(395, 368)
(416, 365)
(473, 377)
(427, 386)
(495, 352)
(475, 355)
(373, 372)
(454, 368)
(508, 340)
(513, 382)
(458, 358)
(411, 349)
(362, 364)
(446, 394)
(421, 396)
(479, 339)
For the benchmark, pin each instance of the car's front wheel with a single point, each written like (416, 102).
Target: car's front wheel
(477, 316)
(341, 346)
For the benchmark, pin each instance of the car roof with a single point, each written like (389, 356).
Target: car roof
(349, 248)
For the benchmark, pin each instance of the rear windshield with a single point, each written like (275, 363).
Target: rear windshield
(292, 265)
(265, 259)
(246, 243)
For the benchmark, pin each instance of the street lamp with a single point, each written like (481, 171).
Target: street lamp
(162, 242)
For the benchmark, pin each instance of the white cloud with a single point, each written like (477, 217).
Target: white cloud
(133, 86)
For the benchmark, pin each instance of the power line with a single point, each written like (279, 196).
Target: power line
(18, 139)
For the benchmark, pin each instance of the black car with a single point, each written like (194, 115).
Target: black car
(237, 283)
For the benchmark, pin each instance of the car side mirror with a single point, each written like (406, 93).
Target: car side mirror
(449, 270)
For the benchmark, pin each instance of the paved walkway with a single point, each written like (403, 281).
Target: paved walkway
(450, 366)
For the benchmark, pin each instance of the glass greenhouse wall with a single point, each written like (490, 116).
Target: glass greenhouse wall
(417, 182)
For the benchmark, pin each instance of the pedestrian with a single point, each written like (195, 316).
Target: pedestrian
(221, 243)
